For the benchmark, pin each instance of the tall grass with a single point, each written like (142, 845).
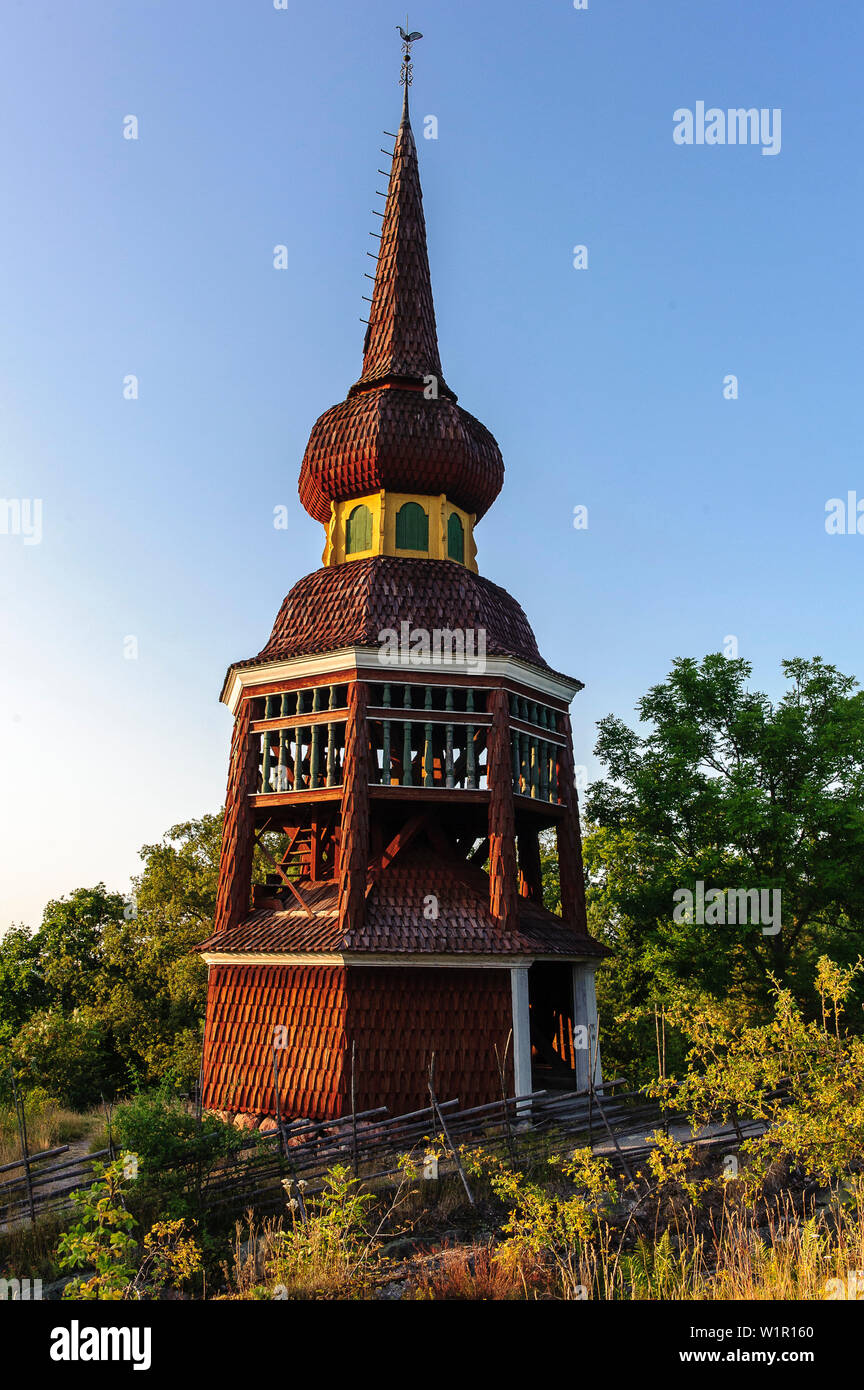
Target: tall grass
(781, 1255)
(49, 1124)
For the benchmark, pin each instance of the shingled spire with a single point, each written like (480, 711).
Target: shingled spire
(401, 341)
(400, 428)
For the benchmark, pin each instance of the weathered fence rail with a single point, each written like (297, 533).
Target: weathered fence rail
(524, 1127)
(610, 1119)
(44, 1182)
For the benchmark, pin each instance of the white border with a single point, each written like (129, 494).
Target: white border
(242, 678)
(407, 958)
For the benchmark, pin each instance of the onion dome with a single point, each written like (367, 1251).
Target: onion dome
(400, 428)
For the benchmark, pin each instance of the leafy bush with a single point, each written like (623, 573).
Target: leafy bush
(170, 1142)
(802, 1079)
(70, 1054)
(101, 1241)
(546, 1230)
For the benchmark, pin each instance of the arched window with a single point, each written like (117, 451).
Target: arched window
(412, 527)
(358, 530)
(455, 539)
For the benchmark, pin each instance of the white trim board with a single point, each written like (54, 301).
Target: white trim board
(242, 678)
(416, 960)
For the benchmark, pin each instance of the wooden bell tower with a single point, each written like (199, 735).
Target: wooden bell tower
(399, 749)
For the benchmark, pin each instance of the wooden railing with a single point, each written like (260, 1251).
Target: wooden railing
(419, 736)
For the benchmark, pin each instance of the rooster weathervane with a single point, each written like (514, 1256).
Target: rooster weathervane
(406, 76)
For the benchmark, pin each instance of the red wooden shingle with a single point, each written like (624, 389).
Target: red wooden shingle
(395, 438)
(245, 1004)
(396, 1018)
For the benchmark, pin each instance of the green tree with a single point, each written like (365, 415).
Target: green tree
(72, 1054)
(164, 993)
(22, 987)
(63, 1039)
(110, 993)
(727, 788)
(73, 944)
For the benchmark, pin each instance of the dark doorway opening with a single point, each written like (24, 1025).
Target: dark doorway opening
(550, 999)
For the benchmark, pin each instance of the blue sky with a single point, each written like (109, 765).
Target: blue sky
(604, 387)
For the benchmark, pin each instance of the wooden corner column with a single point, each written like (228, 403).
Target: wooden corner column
(238, 826)
(503, 877)
(569, 838)
(354, 844)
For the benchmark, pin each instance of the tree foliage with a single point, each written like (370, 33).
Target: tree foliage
(726, 788)
(109, 993)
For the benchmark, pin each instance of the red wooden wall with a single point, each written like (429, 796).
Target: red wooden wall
(397, 1018)
(245, 1003)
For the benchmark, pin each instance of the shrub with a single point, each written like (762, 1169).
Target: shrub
(102, 1241)
(171, 1144)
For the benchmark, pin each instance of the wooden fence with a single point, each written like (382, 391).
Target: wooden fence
(266, 1169)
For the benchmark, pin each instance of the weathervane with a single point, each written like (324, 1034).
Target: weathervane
(406, 76)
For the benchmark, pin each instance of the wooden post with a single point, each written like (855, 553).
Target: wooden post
(454, 1152)
(428, 757)
(276, 1101)
(501, 1063)
(470, 756)
(331, 754)
(25, 1152)
(385, 753)
(238, 828)
(588, 1072)
(356, 1161)
(569, 837)
(521, 1031)
(354, 851)
(314, 755)
(503, 884)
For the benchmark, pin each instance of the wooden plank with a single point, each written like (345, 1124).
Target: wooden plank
(302, 721)
(310, 794)
(455, 795)
(400, 714)
(401, 839)
(537, 731)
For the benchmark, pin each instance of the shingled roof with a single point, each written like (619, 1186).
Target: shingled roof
(399, 440)
(395, 922)
(349, 605)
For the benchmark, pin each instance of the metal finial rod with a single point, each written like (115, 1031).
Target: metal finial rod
(406, 75)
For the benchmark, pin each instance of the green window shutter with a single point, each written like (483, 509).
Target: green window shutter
(455, 539)
(358, 530)
(412, 527)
